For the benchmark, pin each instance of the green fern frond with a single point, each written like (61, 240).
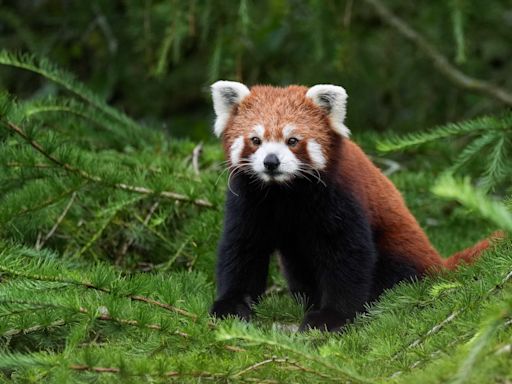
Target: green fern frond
(39, 108)
(63, 78)
(472, 150)
(475, 199)
(485, 123)
(496, 168)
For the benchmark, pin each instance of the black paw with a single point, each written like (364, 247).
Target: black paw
(323, 320)
(224, 308)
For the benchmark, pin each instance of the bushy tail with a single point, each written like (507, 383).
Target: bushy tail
(469, 255)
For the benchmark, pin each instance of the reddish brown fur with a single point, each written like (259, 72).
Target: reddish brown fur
(397, 231)
(274, 108)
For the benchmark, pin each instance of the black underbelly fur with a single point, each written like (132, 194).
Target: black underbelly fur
(326, 245)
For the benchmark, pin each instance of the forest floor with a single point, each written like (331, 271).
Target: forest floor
(90, 318)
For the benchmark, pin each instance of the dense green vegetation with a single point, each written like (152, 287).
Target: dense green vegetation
(109, 218)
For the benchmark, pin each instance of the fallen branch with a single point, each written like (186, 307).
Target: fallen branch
(122, 186)
(440, 62)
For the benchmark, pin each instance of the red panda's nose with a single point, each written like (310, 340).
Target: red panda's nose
(271, 162)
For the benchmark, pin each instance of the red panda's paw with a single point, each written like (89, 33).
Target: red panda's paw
(323, 320)
(231, 307)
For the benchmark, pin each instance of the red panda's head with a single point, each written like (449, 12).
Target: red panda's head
(277, 134)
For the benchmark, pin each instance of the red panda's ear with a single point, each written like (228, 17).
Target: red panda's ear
(226, 95)
(333, 100)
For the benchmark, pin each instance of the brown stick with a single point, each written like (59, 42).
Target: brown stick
(164, 305)
(440, 62)
(128, 243)
(42, 241)
(125, 187)
(196, 153)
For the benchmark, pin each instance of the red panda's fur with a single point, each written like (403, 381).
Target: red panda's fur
(396, 226)
(344, 236)
(388, 213)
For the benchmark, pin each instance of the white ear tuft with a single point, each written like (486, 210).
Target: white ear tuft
(333, 100)
(226, 95)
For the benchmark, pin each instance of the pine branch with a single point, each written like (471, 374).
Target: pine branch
(475, 199)
(41, 243)
(256, 338)
(174, 374)
(128, 243)
(35, 328)
(44, 68)
(122, 186)
(474, 126)
(89, 285)
(440, 62)
(452, 316)
(283, 361)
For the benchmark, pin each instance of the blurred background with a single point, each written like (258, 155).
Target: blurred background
(155, 59)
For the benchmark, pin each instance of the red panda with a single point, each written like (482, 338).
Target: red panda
(299, 186)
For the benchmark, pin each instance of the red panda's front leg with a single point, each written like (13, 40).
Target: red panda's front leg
(242, 265)
(344, 263)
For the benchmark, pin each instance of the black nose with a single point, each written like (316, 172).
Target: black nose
(271, 162)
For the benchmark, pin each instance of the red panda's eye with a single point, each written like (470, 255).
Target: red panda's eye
(256, 140)
(292, 141)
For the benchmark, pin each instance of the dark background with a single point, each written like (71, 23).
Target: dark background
(156, 59)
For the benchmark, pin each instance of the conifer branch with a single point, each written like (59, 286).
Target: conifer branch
(129, 242)
(163, 305)
(122, 186)
(440, 62)
(175, 374)
(89, 285)
(41, 243)
(452, 316)
(35, 328)
(284, 361)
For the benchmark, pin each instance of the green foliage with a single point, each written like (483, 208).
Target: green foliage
(107, 233)
(474, 199)
(156, 58)
(489, 150)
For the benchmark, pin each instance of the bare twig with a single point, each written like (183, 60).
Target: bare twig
(44, 239)
(252, 367)
(442, 64)
(125, 187)
(163, 305)
(196, 153)
(197, 374)
(347, 16)
(284, 361)
(129, 242)
(392, 166)
(35, 328)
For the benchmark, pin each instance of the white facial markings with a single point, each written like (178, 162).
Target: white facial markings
(235, 151)
(288, 162)
(333, 100)
(288, 130)
(259, 130)
(226, 95)
(315, 154)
